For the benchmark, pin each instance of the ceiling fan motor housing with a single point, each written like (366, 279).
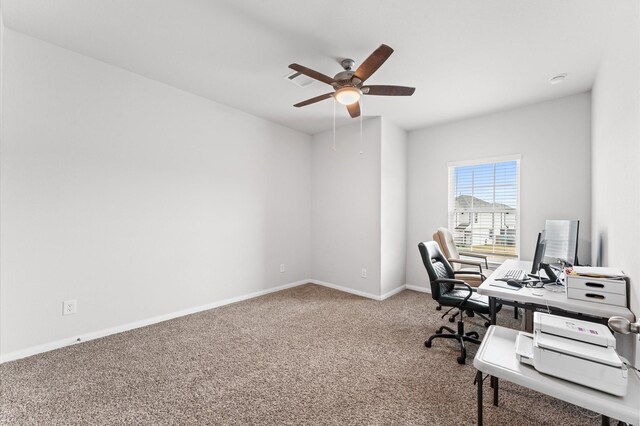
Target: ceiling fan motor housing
(343, 78)
(347, 64)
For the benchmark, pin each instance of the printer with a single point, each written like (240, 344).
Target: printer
(578, 351)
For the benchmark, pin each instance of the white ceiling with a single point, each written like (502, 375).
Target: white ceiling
(465, 57)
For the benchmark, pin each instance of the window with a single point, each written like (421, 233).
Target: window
(484, 207)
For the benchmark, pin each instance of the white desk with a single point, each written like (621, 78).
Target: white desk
(497, 357)
(553, 300)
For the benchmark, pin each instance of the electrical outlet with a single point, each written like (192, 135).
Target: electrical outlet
(282, 268)
(363, 274)
(69, 307)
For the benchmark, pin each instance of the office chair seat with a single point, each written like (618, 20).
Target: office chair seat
(476, 302)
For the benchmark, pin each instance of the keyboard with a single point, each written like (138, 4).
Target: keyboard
(513, 274)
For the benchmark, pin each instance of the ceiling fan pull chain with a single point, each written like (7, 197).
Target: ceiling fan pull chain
(334, 124)
(361, 114)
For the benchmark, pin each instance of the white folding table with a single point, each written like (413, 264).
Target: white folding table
(497, 357)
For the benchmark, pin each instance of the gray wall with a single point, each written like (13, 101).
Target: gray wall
(616, 152)
(345, 207)
(554, 141)
(358, 213)
(135, 198)
(393, 207)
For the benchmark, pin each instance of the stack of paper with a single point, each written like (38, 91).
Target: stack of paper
(597, 272)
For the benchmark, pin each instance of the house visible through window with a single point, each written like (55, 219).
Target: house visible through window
(484, 207)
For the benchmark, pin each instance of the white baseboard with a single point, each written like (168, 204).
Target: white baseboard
(418, 288)
(358, 292)
(46, 347)
(393, 292)
(346, 289)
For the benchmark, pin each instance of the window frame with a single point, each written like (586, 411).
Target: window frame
(493, 258)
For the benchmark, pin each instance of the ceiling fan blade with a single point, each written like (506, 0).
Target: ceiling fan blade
(354, 109)
(314, 100)
(388, 90)
(311, 73)
(373, 62)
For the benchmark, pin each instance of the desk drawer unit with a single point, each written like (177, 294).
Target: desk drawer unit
(597, 296)
(598, 290)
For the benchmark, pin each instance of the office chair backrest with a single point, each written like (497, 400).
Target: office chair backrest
(444, 237)
(437, 267)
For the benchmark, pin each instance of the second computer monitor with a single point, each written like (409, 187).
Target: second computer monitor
(561, 241)
(538, 258)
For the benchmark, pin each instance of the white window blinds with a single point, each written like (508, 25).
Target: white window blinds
(484, 204)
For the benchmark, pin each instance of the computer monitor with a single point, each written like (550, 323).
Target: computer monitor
(561, 241)
(538, 257)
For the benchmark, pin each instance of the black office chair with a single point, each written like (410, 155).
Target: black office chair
(448, 291)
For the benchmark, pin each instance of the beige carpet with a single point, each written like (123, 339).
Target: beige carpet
(308, 355)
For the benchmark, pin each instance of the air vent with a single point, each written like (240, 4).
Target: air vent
(558, 78)
(299, 79)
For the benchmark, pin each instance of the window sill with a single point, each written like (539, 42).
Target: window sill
(493, 264)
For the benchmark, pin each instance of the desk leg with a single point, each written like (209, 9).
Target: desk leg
(492, 309)
(528, 321)
(605, 421)
(479, 382)
(494, 381)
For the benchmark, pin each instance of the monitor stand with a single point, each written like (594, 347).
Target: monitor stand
(550, 272)
(540, 279)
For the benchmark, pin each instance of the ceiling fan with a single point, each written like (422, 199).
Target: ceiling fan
(349, 86)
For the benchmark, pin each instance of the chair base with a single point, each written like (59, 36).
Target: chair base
(471, 314)
(460, 336)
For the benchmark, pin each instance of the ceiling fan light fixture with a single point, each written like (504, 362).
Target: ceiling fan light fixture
(348, 95)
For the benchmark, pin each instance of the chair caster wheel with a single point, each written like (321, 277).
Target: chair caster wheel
(439, 308)
(487, 324)
(452, 319)
(470, 313)
(427, 344)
